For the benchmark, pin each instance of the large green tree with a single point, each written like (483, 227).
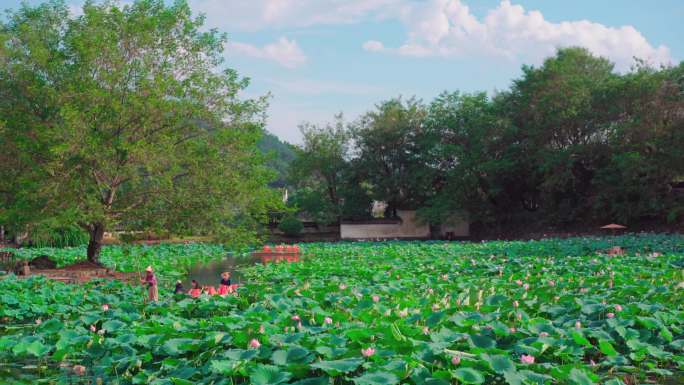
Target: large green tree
(388, 153)
(123, 118)
(326, 181)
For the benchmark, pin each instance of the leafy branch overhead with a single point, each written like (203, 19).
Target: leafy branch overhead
(121, 118)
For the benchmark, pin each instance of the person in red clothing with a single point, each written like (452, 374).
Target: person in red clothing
(195, 290)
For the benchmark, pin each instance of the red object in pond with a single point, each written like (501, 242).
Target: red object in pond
(212, 291)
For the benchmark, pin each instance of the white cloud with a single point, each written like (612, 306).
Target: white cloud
(283, 51)
(254, 15)
(448, 28)
(373, 46)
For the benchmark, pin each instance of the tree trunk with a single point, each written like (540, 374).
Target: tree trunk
(95, 243)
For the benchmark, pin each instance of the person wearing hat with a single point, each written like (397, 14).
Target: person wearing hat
(151, 282)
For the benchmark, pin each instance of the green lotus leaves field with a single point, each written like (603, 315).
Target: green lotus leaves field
(541, 312)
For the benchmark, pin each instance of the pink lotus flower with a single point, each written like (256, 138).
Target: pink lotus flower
(93, 328)
(376, 298)
(79, 370)
(618, 308)
(105, 307)
(445, 277)
(525, 359)
(368, 352)
(456, 360)
(430, 291)
(610, 315)
(518, 282)
(426, 330)
(296, 318)
(513, 329)
(543, 334)
(516, 303)
(526, 286)
(38, 321)
(552, 283)
(343, 286)
(403, 313)
(578, 325)
(328, 321)
(254, 344)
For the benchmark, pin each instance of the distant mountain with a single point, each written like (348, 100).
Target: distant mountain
(280, 154)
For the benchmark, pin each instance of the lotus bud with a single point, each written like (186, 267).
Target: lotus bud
(525, 359)
(254, 344)
(456, 360)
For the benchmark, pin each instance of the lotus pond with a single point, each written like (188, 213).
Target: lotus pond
(540, 312)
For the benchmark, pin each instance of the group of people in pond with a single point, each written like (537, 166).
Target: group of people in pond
(225, 286)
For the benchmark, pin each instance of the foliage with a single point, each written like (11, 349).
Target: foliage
(328, 185)
(279, 156)
(431, 312)
(291, 226)
(60, 236)
(571, 141)
(387, 154)
(120, 118)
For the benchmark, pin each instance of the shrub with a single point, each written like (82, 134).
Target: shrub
(59, 236)
(291, 226)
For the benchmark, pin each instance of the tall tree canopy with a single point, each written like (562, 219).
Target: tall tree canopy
(327, 184)
(571, 141)
(388, 154)
(121, 117)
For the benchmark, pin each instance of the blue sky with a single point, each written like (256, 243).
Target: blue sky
(321, 57)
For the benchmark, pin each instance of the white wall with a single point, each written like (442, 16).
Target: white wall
(408, 228)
